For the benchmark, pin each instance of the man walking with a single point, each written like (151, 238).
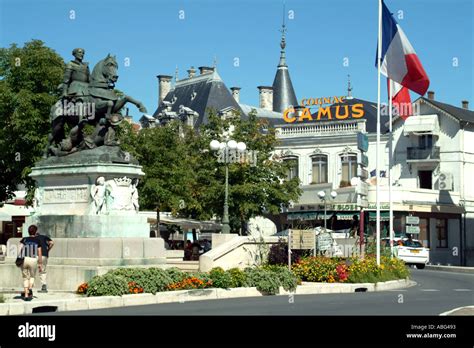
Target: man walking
(46, 244)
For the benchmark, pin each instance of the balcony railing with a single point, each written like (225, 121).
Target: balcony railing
(421, 154)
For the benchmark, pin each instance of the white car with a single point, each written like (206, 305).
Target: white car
(410, 251)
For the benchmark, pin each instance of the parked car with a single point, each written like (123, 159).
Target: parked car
(411, 251)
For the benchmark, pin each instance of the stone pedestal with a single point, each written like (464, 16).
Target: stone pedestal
(90, 194)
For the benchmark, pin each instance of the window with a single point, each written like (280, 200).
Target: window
(349, 169)
(442, 233)
(425, 179)
(292, 171)
(425, 141)
(320, 169)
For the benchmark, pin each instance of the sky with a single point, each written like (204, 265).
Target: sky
(326, 41)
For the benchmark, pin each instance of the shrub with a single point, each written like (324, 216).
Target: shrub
(160, 278)
(238, 277)
(278, 254)
(220, 278)
(366, 270)
(265, 281)
(2, 298)
(287, 279)
(176, 274)
(107, 285)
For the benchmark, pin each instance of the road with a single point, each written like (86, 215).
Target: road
(436, 292)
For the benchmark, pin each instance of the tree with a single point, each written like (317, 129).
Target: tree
(183, 176)
(29, 78)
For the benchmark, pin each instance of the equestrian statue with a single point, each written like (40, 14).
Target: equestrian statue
(87, 99)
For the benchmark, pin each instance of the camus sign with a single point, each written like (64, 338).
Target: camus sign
(324, 113)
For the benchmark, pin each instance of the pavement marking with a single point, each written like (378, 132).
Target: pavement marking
(429, 290)
(462, 289)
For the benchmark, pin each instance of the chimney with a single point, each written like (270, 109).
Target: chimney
(430, 95)
(236, 93)
(266, 97)
(465, 104)
(191, 72)
(164, 86)
(205, 70)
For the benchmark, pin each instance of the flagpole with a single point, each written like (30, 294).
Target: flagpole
(390, 160)
(377, 145)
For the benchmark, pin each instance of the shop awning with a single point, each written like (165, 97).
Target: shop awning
(384, 216)
(418, 125)
(315, 215)
(166, 219)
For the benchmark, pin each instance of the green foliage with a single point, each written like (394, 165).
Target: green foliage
(176, 274)
(265, 281)
(180, 168)
(220, 278)
(286, 278)
(2, 298)
(152, 280)
(108, 285)
(29, 80)
(238, 277)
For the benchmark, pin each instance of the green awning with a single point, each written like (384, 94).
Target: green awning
(384, 216)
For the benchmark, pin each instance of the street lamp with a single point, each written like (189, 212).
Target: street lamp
(322, 196)
(224, 149)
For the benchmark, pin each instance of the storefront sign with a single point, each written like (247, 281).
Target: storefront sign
(337, 112)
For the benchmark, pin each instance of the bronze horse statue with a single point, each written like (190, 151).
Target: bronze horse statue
(95, 107)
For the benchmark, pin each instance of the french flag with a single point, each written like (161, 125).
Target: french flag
(401, 100)
(399, 61)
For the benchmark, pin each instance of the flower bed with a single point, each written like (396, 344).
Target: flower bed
(352, 270)
(121, 281)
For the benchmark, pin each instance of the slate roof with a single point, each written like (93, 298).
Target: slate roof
(209, 91)
(459, 113)
(283, 92)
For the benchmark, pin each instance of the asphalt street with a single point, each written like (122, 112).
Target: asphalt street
(436, 292)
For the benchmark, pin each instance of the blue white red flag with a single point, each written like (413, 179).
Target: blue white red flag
(399, 61)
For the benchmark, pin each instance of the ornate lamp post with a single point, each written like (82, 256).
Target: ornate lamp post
(226, 154)
(322, 196)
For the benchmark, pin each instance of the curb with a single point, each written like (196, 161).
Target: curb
(452, 311)
(181, 296)
(458, 269)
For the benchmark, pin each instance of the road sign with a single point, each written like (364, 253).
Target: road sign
(363, 159)
(324, 241)
(362, 188)
(413, 229)
(362, 142)
(362, 173)
(302, 239)
(362, 202)
(413, 220)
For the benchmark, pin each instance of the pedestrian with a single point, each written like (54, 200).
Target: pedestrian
(46, 245)
(30, 250)
(355, 226)
(188, 250)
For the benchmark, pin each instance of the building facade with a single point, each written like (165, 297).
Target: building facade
(432, 156)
